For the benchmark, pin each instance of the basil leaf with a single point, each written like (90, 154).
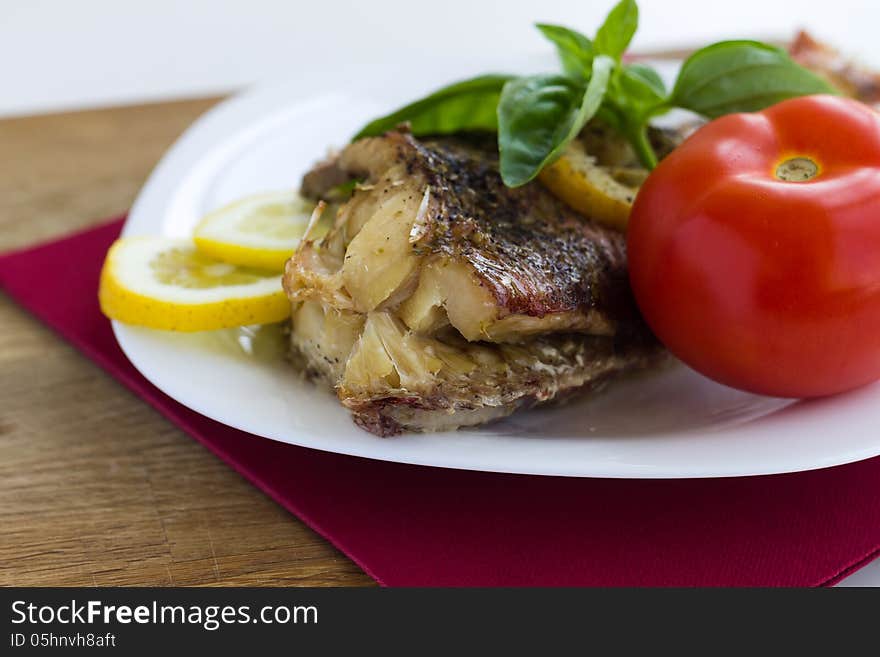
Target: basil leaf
(637, 92)
(609, 114)
(617, 31)
(535, 114)
(467, 105)
(539, 115)
(644, 80)
(741, 76)
(574, 49)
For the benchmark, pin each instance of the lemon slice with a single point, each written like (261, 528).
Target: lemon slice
(258, 231)
(604, 194)
(166, 284)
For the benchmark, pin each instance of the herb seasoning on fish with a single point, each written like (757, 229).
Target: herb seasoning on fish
(483, 299)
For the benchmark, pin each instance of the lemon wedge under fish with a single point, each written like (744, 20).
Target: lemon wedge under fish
(165, 283)
(600, 193)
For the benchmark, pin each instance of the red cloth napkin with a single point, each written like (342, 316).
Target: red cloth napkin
(411, 525)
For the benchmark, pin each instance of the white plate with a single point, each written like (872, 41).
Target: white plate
(672, 423)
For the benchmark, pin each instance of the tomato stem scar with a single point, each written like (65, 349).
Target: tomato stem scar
(797, 169)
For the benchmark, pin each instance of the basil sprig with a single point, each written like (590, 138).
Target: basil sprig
(574, 49)
(614, 35)
(540, 114)
(537, 116)
(466, 105)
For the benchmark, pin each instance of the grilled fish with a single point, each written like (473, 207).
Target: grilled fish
(851, 77)
(442, 298)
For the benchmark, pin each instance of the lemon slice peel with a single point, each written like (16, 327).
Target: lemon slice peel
(166, 284)
(262, 230)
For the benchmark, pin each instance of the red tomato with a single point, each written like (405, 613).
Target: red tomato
(754, 248)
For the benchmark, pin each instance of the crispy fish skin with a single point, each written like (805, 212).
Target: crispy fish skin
(542, 370)
(443, 299)
(534, 254)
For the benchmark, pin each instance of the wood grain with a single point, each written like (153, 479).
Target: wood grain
(96, 488)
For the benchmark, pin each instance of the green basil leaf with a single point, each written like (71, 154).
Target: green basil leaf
(467, 105)
(574, 49)
(741, 76)
(535, 114)
(637, 92)
(617, 31)
(610, 115)
(539, 115)
(645, 80)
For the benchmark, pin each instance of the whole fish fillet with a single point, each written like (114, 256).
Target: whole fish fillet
(442, 298)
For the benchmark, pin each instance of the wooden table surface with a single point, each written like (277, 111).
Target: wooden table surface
(96, 488)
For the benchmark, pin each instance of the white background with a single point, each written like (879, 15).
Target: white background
(68, 53)
(57, 54)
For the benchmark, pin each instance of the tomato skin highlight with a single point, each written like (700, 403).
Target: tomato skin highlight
(763, 284)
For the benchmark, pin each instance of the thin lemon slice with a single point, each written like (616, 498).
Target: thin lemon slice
(604, 194)
(258, 231)
(166, 284)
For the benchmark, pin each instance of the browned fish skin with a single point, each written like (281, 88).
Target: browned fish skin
(535, 254)
(444, 299)
(544, 370)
